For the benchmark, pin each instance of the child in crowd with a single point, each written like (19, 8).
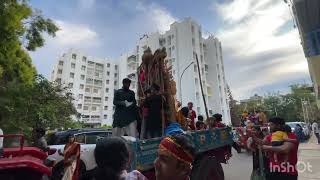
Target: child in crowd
(200, 125)
(277, 139)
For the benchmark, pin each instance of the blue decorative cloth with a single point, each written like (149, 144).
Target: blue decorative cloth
(173, 128)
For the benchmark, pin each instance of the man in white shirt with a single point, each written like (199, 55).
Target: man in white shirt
(1, 143)
(315, 129)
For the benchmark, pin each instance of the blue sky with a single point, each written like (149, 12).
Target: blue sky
(261, 49)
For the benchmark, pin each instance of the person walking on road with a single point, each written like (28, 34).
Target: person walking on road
(315, 129)
(124, 117)
(284, 168)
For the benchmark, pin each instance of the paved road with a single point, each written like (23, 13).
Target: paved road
(309, 153)
(239, 167)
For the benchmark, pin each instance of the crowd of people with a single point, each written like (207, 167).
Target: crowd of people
(146, 120)
(250, 119)
(274, 155)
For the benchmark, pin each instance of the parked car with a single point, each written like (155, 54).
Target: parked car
(306, 130)
(86, 137)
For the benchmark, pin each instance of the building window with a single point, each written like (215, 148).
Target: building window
(81, 86)
(96, 100)
(116, 67)
(59, 71)
(115, 75)
(87, 99)
(89, 81)
(210, 112)
(61, 63)
(196, 81)
(71, 75)
(85, 107)
(169, 52)
(174, 72)
(107, 90)
(84, 59)
(98, 82)
(105, 107)
(95, 90)
(80, 96)
(108, 73)
(82, 77)
(115, 83)
(94, 108)
(195, 68)
(108, 64)
(193, 42)
(192, 29)
(83, 68)
(172, 48)
(90, 63)
(106, 98)
(96, 74)
(74, 56)
(58, 80)
(206, 67)
(107, 81)
(73, 65)
(79, 106)
(169, 40)
(105, 116)
(87, 90)
(70, 85)
(218, 67)
(194, 55)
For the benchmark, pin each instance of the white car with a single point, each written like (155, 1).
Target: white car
(305, 128)
(87, 140)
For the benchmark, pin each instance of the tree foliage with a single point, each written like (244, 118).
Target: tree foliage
(234, 109)
(288, 106)
(20, 27)
(28, 100)
(42, 104)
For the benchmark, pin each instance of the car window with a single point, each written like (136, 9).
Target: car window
(80, 138)
(92, 137)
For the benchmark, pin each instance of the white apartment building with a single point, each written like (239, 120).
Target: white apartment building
(182, 42)
(92, 82)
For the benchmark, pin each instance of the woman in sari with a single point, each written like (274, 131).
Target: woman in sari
(71, 162)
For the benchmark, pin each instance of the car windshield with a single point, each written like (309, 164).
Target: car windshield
(292, 125)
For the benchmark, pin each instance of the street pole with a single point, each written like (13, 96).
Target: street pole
(180, 90)
(204, 99)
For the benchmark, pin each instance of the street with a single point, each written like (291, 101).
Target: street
(240, 165)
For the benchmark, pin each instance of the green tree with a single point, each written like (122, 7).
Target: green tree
(234, 108)
(27, 100)
(44, 104)
(21, 28)
(290, 105)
